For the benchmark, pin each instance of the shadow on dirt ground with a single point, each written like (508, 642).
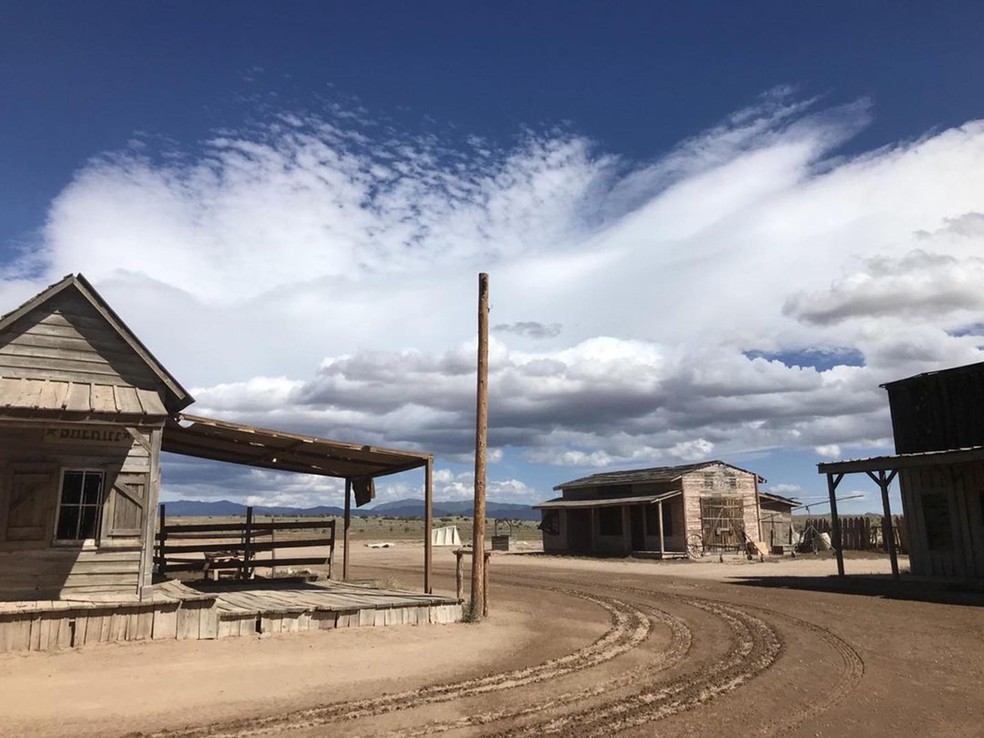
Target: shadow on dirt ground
(878, 585)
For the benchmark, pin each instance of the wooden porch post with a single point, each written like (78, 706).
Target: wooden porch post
(662, 546)
(345, 528)
(428, 524)
(883, 481)
(832, 482)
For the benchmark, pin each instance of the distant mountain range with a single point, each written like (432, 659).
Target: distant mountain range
(399, 509)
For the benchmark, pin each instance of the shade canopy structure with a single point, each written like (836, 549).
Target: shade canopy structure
(358, 465)
(220, 440)
(882, 470)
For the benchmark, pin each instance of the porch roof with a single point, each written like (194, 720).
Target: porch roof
(903, 461)
(235, 443)
(561, 503)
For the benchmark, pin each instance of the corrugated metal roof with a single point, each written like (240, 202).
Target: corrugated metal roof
(30, 397)
(560, 502)
(638, 476)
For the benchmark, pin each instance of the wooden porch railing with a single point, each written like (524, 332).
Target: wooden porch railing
(240, 547)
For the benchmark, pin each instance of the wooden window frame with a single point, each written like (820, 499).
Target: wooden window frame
(85, 542)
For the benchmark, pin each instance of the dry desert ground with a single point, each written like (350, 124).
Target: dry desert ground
(572, 647)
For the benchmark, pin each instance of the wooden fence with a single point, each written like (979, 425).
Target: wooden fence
(240, 547)
(861, 533)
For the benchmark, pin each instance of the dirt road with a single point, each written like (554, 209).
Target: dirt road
(573, 647)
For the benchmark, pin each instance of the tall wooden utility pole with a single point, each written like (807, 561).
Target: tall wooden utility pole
(481, 445)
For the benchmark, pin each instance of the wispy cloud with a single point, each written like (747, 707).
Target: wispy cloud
(319, 274)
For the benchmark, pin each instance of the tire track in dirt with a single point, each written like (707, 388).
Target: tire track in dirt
(851, 671)
(681, 639)
(629, 627)
(755, 647)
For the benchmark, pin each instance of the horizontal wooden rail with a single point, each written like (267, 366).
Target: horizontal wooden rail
(233, 546)
(174, 528)
(182, 548)
(196, 564)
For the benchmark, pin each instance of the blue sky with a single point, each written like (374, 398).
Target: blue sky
(712, 229)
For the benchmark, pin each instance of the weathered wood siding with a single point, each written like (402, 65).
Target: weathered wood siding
(944, 511)
(719, 480)
(777, 523)
(938, 411)
(60, 572)
(67, 339)
(33, 565)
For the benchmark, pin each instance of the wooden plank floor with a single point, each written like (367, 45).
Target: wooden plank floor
(296, 597)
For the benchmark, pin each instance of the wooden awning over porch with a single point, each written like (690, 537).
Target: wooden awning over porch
(235, 443)
(358, 465)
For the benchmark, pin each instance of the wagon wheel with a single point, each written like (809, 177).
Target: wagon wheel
(695, 546)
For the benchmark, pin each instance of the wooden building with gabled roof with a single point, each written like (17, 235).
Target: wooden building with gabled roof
(662, 511)
(85, 411)
(82, 410)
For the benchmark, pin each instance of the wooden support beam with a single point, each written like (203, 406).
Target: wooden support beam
(345, 529)
(662, 546)
(458, 584)
(884, 481)
(428, 524)
(832, 481)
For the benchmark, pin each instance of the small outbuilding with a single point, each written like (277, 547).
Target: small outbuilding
(777, 521)
(939, 464)
(663, 511)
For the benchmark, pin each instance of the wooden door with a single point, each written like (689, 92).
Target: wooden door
(722, 521)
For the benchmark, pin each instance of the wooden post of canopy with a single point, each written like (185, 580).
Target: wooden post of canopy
(883, 481)
(428, 524)
(478, 607)
(345, 529)
(662, 546)
(832, 481)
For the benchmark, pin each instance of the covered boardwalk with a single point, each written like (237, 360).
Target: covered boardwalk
(943, 505)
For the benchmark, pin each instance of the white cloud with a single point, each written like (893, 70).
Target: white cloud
(320, 276)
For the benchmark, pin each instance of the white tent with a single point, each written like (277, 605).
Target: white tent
(446, 536)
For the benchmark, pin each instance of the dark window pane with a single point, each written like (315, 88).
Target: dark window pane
(72, 488)
(91, 487)
(652, 520)
(89, 521)
(936, 513)
(68, 522)
(610, 521)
